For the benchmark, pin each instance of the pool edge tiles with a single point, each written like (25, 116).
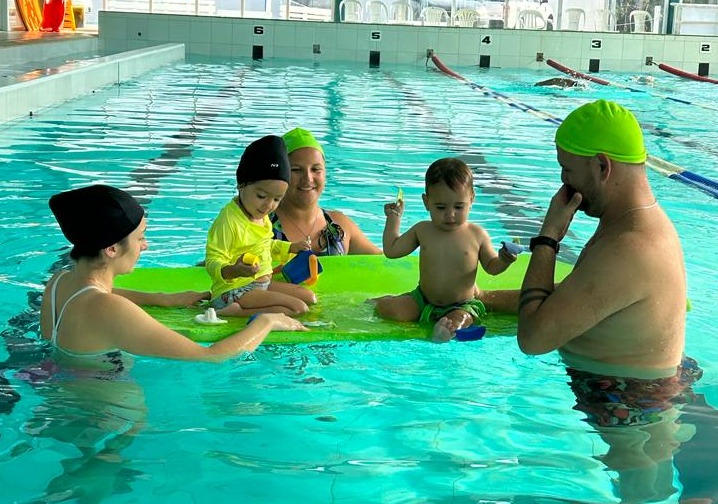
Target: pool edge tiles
(64, 83)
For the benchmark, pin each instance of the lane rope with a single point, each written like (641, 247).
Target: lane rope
(666, 168)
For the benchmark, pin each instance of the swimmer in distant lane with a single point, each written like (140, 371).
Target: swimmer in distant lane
(561, 82)
(648, 80)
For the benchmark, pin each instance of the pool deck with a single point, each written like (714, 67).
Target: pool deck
(15, 38)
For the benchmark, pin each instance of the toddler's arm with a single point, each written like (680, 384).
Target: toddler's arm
(299, 246)
(493, 262)
(396, 245)
(220, 261)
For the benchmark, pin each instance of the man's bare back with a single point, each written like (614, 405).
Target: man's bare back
(624, 303)
(648, 330)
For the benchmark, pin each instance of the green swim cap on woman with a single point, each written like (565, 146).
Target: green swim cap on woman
(602, 127)
(299, 138)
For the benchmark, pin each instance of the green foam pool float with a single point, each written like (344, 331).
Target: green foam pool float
(342, 313)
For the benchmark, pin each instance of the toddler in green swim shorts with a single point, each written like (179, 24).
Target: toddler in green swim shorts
(450, 249)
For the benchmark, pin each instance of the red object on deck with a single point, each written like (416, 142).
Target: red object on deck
(53, 14)
(573, 73)
(684, 74)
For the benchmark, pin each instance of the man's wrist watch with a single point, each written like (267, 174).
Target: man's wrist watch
(543, 240)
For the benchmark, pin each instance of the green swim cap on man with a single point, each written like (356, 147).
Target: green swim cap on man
(299, 138)
(602, 127)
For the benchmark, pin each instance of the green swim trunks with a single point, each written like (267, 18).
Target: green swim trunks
(431, 313)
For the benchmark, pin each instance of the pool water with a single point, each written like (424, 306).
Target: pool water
(370, 422)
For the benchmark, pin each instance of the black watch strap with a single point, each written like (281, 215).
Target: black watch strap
(543, 240)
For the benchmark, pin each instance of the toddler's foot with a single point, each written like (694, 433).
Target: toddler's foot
(444, 330)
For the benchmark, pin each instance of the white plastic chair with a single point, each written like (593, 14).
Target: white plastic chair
(575, 18)
(638, 19)
(401, 11)
(483, 12)
(531, 19)
(466, 18)
(604, 20)
(350, 11)
(375, 11)
(434, 16)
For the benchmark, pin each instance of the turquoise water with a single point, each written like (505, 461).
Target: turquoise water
(371, 422)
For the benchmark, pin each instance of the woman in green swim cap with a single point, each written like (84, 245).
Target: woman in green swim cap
(299, 216)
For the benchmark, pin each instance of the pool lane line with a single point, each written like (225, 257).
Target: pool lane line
(659, 165)
(575, 73)
(145, 180)
(509, 203)
(652, 128)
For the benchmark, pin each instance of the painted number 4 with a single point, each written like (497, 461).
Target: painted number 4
(486, 40)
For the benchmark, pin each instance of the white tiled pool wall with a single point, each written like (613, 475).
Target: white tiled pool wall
(30, 96)
(235, 37)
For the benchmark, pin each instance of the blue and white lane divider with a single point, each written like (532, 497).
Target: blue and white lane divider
(603, 82)
(666, 168)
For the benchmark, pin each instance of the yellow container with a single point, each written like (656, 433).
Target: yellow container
(249, 258)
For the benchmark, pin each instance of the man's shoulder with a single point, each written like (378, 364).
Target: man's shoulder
(635, 252)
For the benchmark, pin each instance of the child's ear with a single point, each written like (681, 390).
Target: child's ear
(425, 199)
(112, 250)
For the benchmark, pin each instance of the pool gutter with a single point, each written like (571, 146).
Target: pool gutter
(52, 86)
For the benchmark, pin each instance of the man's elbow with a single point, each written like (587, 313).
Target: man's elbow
(390, 254)
(531, 342)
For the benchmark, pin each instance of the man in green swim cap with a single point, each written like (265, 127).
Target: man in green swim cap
(618, 319)
(624, 302)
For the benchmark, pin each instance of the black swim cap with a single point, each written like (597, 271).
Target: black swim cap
(264, 159)
(95, 217)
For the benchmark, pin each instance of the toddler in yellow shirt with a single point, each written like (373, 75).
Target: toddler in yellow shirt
(240, 247)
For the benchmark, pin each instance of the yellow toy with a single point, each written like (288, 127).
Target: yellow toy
(251, 259)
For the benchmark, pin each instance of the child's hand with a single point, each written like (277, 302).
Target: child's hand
(505, 255)
(245, 270)
(299, 246)
(395, 208)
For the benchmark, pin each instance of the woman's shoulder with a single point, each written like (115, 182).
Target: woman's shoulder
(338, 217)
